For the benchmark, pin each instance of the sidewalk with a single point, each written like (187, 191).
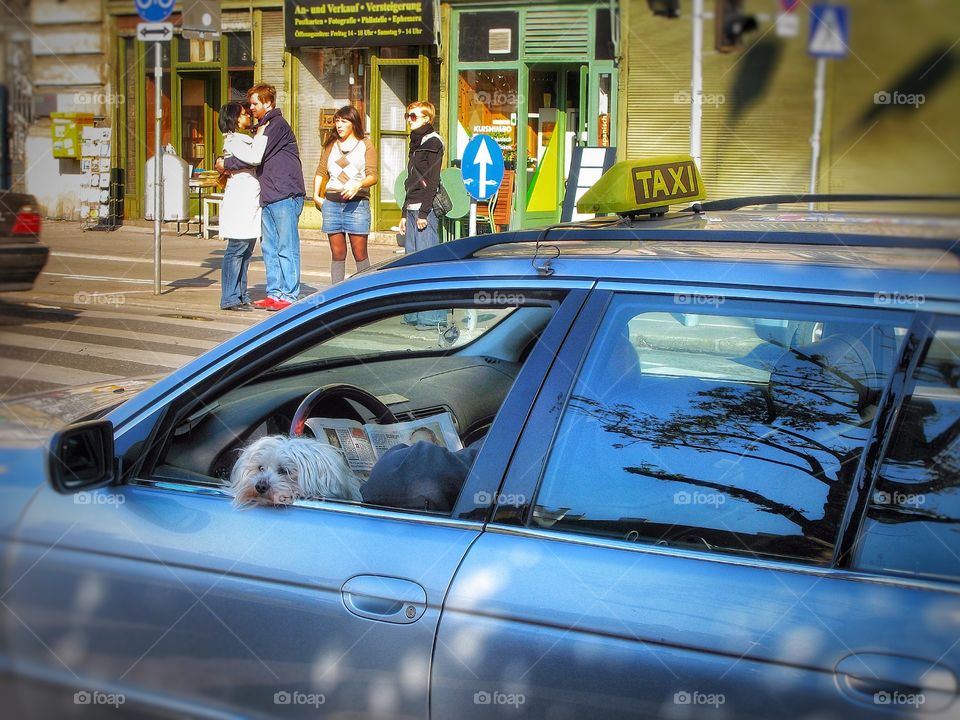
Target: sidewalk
(94, 264)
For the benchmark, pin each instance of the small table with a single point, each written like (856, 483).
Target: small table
(197, 189)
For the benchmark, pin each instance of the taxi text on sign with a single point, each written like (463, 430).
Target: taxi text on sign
(154, 10)
(633, 185)
(359, 23)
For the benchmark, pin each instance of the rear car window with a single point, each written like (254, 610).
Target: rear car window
(725, 427)
(913, 520)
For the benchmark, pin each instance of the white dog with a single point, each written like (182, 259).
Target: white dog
(277, 470)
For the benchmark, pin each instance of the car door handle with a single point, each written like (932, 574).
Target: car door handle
(897, 681)
(388, 599)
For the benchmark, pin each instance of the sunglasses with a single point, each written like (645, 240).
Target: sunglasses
(412, 117)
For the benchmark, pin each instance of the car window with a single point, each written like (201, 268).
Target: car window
(737, 428)
(449, 329)
(913, 519)
(442, 369)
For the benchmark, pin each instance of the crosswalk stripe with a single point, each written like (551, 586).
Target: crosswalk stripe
(192, 343)
(170, 360)
(185, 320)
(255, 267)
(24, 369)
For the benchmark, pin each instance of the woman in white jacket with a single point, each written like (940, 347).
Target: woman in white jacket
(240, 209)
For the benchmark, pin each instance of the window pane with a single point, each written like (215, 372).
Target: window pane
(489, 36)
(603, 47)
(190, 51)
(324, 89)
(393, 161)
(239, 50)
(913, 522)
(487, 104)
(725, 430)
(398, 88)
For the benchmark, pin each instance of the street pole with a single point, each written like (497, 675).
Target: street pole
(472, 223)
(157, 164)
(696, 82)
(819, 95)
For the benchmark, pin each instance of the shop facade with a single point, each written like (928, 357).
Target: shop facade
(541, 79)
(314, 72)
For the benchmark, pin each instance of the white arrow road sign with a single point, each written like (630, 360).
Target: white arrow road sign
(155, 32)
(483, 161)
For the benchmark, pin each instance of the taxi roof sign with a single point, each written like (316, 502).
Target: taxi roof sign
(633, 187)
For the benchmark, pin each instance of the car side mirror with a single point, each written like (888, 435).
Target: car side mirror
(80, 457)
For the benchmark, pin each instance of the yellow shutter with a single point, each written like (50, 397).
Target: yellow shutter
(270, 58)
(754, 137)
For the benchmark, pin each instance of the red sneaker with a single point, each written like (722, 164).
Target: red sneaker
(265, 304)
(278, 305)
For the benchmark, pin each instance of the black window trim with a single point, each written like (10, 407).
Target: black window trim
(899, 390)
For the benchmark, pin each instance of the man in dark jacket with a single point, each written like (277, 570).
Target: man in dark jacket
(281, 197)
(418, 223)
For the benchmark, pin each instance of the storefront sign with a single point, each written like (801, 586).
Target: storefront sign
(367, 23)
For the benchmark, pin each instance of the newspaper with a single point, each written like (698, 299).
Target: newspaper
(364, 444)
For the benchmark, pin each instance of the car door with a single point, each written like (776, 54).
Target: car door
(668, 538)
(159, 598)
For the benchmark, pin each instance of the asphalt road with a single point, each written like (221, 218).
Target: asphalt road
(92, 315)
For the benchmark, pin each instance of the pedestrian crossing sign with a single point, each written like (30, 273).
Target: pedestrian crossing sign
(829, 31)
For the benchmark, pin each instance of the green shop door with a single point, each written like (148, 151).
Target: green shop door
(556, 117)
(394, 85)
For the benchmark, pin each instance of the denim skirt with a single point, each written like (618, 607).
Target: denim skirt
(351, 217)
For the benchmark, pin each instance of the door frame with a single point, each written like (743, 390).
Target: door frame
(387, 214)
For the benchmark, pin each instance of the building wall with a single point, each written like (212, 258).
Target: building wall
(758, 102)
(910, 48)
(70, 74)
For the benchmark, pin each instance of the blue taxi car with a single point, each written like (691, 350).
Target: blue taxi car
(718, 476)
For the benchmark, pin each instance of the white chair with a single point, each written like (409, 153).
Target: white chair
(211, 223)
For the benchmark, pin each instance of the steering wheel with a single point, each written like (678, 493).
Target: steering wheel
(346, 392)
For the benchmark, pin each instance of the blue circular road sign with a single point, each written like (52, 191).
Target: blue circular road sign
(482, 167)
(154, 10)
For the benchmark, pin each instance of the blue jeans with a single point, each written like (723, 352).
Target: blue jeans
(414, 240)
(233, 272)
(281, 248)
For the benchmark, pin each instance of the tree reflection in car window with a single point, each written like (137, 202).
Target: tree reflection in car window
(717, 431)
(913, 521)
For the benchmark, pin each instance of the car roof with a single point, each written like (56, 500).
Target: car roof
(865, 252)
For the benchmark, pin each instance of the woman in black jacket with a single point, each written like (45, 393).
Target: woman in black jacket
(418, 223)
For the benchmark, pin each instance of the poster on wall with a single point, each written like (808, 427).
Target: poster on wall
(362, 23)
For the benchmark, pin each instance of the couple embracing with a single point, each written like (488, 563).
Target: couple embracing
(263, 198)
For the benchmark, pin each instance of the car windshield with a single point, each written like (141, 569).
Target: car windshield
(393, 335)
